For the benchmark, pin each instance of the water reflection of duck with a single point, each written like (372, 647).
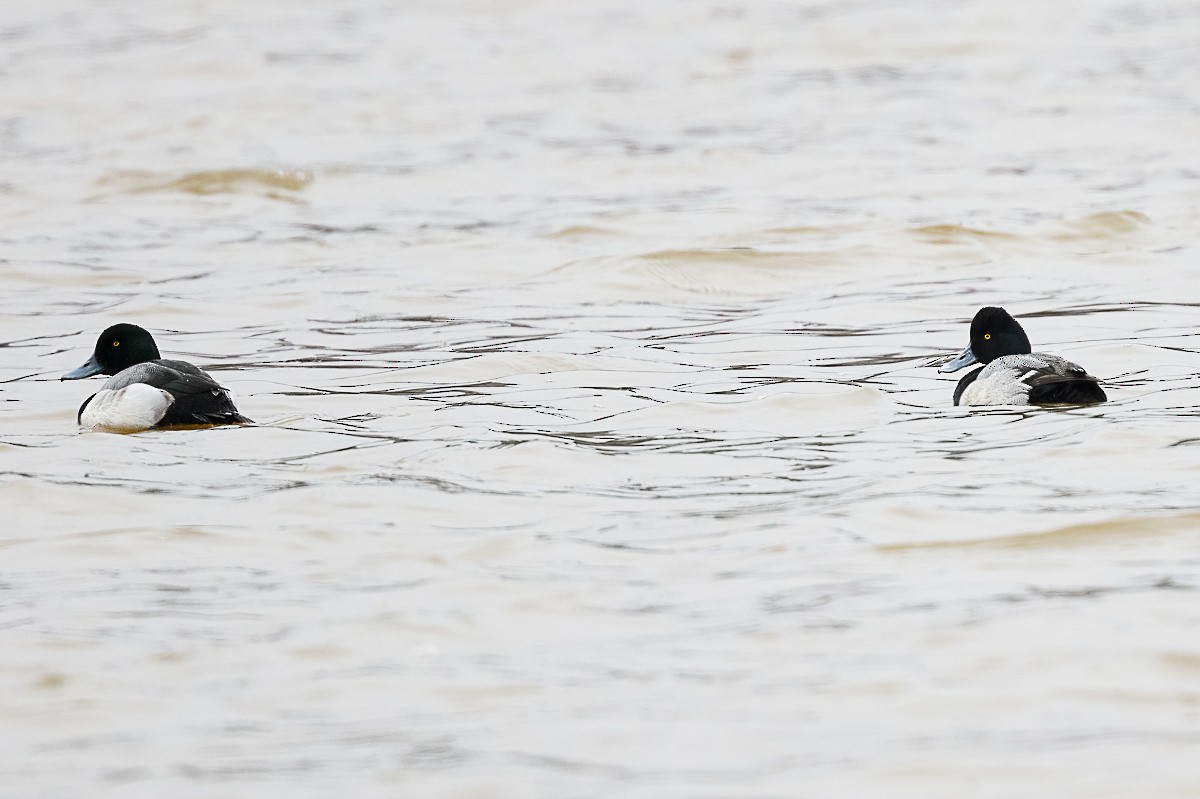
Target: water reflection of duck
(146, 391)
(1014, 375)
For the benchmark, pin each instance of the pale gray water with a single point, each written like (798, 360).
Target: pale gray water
(599, 449)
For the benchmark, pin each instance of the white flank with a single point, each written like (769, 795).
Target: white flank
(1004, 380)
(997, 385)
(127, 410)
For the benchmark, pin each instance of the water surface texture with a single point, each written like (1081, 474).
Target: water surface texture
(600, 449)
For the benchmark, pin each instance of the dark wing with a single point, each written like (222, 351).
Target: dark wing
(1063, 383)
(198, 398)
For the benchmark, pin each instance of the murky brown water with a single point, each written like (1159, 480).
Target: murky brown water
(599, 449)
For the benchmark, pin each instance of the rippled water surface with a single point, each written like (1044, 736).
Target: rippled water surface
(599, 449)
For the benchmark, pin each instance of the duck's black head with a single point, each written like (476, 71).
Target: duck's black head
(117, 349)
(994, 334)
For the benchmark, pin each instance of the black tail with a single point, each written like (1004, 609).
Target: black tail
(203, 408)
(1068, 392)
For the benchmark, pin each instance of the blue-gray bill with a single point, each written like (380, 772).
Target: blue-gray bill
(92, 367)
(965, 358)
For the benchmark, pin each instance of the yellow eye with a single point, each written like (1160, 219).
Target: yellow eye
(116, 343)
(986, 337)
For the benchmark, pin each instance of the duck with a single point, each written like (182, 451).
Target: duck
(1011, 373)
(145, 391)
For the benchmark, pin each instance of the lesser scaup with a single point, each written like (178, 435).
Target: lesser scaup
(1012, 374)
(146, 391)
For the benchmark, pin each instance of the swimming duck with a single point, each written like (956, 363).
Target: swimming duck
(146, 391)
(1014, 375)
